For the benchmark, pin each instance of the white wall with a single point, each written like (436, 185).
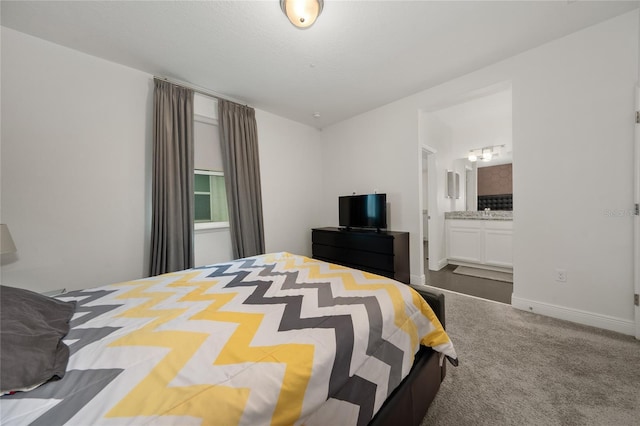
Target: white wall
(573, 97)
(481, 122)
(75, 166)
(292, 186)
(368, 153)
(76, 178)
(578, 102)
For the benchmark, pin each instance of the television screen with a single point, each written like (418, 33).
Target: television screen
(363, 211)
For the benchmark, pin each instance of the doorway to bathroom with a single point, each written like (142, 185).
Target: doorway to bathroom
(473, 140)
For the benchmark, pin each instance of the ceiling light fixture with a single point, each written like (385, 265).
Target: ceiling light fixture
(302, 13)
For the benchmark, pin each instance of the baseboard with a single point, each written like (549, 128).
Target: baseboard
(575, 315)
(439, 264)
(418, 279)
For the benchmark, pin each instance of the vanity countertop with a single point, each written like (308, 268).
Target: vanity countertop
(481, 215)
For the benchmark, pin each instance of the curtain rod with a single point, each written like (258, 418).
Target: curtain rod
(199, 90)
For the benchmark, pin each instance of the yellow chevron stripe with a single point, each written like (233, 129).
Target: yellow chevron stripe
(152, 396)
(437, 336)
(203, 398)
(297, 357)
(214, 404)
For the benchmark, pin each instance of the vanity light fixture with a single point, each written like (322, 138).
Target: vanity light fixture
(302, 13)
(484, 154)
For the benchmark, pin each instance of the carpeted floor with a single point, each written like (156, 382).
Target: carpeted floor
(519, 368)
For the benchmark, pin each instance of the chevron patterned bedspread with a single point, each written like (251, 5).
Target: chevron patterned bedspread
(273, 339)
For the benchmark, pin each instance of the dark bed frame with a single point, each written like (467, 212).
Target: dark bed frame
(408, 403)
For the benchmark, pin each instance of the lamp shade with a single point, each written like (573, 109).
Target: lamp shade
(302, 13)
(6, 242)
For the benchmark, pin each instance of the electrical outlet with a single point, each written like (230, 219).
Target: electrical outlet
(561, 275)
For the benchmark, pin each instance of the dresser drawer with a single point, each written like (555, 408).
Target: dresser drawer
(352, 240)
(379, 261)
(384, 253)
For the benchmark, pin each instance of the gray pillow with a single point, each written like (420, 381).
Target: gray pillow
(32, 327)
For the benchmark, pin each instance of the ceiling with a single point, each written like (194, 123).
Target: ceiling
(359, 55)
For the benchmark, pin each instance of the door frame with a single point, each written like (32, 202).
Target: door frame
(432, 204)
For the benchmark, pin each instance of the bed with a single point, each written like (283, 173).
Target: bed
(272, 339)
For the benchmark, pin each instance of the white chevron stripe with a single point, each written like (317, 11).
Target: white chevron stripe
(183, 300)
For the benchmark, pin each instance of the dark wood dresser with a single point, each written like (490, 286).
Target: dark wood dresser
(384, 253)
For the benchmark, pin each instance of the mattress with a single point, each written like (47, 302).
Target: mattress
(272, 339)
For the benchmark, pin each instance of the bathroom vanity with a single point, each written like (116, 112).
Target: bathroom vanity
(480, 239)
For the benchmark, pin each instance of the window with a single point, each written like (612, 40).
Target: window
(210, 197)
(210, 200)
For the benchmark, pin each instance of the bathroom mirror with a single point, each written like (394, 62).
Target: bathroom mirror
(453, 184)
(482, 187)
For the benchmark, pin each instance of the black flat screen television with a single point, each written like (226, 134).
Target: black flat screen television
(363, 211)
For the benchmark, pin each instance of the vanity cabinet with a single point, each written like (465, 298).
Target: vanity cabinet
(480, 243)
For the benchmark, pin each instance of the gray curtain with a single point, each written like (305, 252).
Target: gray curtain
(239, 144)
(172, 186)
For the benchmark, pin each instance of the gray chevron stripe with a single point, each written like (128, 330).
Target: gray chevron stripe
(76, 389)
(354, 389)
(86, 295)
(377, 346)
(83, 298)
(342, 385)
(92, 312)
(86, 336)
